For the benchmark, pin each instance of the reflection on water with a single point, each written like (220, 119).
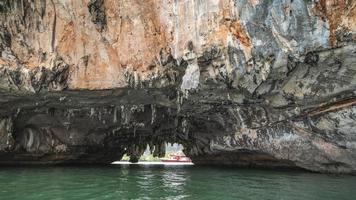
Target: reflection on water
(170, 182)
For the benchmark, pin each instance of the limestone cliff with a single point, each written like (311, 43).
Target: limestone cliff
(265, 83)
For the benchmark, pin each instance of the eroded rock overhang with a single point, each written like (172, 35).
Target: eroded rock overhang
(248, 83)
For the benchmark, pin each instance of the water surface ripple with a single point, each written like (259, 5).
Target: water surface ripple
(171, 182)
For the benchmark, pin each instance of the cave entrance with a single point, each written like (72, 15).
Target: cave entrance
(169, 153)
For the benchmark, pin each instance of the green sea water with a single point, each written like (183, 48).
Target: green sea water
(170, 182)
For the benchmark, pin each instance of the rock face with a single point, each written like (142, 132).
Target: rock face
(237, 82)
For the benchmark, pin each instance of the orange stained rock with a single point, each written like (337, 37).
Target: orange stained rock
(2, 62)
(239, 32)
(135, 34)
(32, 62)
(67, 39)
(137, 31)
(230, 24)
(254, 2)
(132, 40)
(135, 27)
(338, 13)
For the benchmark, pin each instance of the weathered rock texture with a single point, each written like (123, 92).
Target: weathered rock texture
(237, 82)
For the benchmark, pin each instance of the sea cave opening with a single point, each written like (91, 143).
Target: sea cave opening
(166, 152)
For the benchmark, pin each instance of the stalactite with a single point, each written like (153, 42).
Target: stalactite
(115, 114)
(92, 112)
(185, 128)
(162, 149)
(153, 111)
(99, 114)
(151, 147)
(123, 117)
(179, 100)
(137, 82)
